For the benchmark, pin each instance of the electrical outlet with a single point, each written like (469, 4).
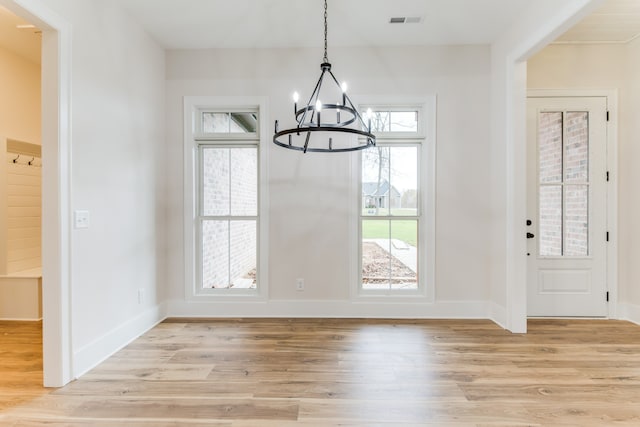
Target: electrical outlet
(140, 296)
(300, 284)
(81, 219)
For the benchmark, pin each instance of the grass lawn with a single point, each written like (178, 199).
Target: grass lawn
(406, 231)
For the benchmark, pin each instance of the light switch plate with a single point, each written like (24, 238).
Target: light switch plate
(81, 219)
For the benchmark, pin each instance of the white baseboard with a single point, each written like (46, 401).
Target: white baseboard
(630, 312)
(498, 314)
(330, 309)
(91, 355)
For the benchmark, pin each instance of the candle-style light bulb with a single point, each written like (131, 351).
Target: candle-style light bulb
(318, 109)
(296, 97)
(369, 114)
(343, 86)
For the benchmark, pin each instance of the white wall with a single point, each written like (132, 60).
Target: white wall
(614, 66)
(629, 209)
(117, 158)
(309, 194)
(19, 98)
(20, 119)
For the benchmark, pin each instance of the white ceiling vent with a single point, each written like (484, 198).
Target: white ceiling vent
(405, 20)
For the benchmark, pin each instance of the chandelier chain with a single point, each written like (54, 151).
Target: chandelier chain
(326, 58)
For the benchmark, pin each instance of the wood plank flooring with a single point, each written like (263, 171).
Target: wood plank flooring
(20, 363)
(320, 372)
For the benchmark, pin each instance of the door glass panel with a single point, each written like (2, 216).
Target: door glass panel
(550, 221)
(563, 163)
(576, 147)
(576, 224)
(550, 146)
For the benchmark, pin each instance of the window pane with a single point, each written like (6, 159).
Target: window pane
(215, 254)
(243, 254)
(576, 224)
(243, 122)
(550, 220)
(550, 147)
(404, 121)
(215, 181)
(215, 122)
(229, 122)
(404, 254)
(375, 181)
(402, 195)
(380, 121)
(389, 254)
(244, 181)
(376, 256)
(576, 147)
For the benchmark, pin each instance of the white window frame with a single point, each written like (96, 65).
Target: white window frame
(194, 141)
(425, 139)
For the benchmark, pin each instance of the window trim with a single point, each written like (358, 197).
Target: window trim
(194, 139)
(425, 137)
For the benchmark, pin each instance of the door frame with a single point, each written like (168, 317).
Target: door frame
(611, 251)
(57, 347)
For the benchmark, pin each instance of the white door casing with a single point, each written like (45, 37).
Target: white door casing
(567, 206)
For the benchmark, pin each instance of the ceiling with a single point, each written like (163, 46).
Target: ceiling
(616, 21)
(25, 42)
(199, 24)
(298, 23)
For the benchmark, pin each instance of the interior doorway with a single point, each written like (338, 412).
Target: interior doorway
(56, 171)
(21, 366)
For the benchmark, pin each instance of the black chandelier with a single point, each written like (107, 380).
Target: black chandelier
(318, 117)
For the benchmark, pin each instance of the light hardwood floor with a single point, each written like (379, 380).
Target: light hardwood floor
(20, 363)
(277, 372)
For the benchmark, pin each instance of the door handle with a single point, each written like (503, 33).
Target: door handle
(530, 236)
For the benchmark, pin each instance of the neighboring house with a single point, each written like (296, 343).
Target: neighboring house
(380, 195)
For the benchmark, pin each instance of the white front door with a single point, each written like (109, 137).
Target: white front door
(566, 206)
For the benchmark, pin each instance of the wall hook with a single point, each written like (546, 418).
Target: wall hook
(16, 159)
(31, 161)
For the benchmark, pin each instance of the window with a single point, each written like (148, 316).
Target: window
(395, 196)
(228, 216)
(223, 201)
(389, 217)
